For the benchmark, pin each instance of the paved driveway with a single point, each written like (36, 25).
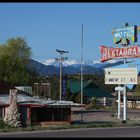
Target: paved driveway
(104, 115)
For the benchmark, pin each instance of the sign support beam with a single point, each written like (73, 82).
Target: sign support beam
(119, 89)
(119, 103)
(124, 104)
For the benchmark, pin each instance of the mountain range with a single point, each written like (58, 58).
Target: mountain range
(51, 67)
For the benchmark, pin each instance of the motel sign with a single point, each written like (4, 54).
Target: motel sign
(128, 32)
(121, 76)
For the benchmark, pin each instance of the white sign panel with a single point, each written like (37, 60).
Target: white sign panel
(119, 88)
(121, 76)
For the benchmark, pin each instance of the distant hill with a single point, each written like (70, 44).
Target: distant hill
(41, 68)
(45, 70)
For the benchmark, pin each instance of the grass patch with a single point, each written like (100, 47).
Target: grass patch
(133, 122)
(58, 127)
(75, 125)
(93, 124)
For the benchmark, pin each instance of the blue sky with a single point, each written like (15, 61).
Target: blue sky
(50, 26)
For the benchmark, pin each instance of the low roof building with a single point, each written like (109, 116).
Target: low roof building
(89, 89)
(36, 111)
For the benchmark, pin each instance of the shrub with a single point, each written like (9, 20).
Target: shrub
(112, 115)
(123, 121)
(3, 124)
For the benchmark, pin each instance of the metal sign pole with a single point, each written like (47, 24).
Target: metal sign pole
(124, 101)
(82, 75)
(119, 89)
(124, 104)
(119, 104)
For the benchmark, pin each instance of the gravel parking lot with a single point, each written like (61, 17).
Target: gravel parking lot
(104, 115)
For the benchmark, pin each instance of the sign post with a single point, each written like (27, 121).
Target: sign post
(118, 101)
(119, 104)
(119, 89)
(121, 76)
(124, 104)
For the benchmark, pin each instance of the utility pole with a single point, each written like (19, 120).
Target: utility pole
(61, 59)
(82, 75)
(125, 93)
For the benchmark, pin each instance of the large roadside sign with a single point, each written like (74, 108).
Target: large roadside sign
(121, 76)
(128, 32)
(124, 52)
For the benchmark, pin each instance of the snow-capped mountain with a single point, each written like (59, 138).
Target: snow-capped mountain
(65, 63)
(51, 67)
(77, 63)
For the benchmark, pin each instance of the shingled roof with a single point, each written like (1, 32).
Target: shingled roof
(28, 100)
